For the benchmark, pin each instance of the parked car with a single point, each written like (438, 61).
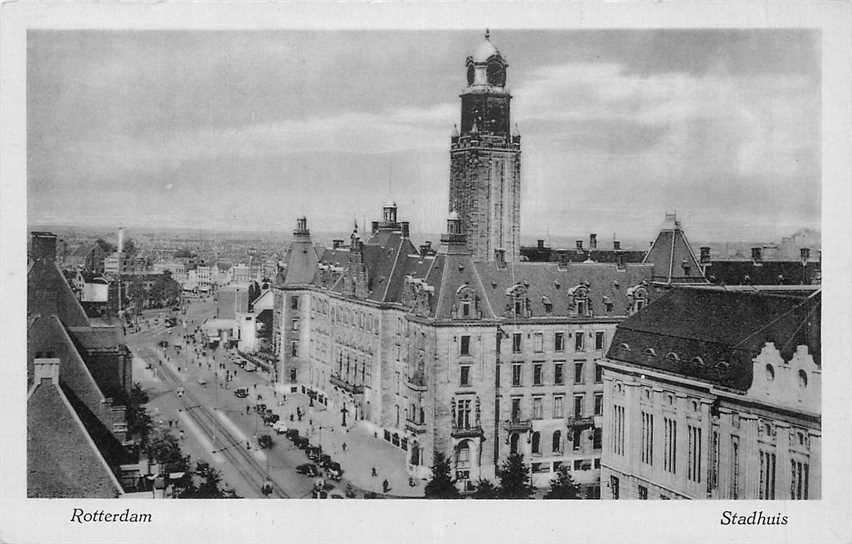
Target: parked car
(324, 460)
(319, 494)
(239, 361)
(202, 381)
(336, 495)
(301, 442)
(179, 391)
(335, 472)
(250, 367)
(279, 427)
(313, 452)
(241, 392)
(264, 441)
(260, 408)
(308, 469)
(292, 434)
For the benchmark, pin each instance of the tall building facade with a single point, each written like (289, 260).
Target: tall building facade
(485, 160)
(714, 393)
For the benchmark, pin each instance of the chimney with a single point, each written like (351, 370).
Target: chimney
(616, 245)
(120, 239)
(336, 244)
(405, 229)
(579, 245)
(804, 254)
(705, 255)
(500, 257)
(426, 248)
(593, 241)
(46, 369)
(684, 264)
(540, 244)
(755, 254)
(44, 246)
(375, 227)
(619, 260)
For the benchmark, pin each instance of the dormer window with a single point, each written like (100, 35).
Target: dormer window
(519, 303)
(467, 303)
(548, 305)
(579, 300)
(638, 296)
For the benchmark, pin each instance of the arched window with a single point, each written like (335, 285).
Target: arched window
(651, 352)
(536, 442)
(803, 379)
(513, 443)
(397, 415)
(557, 441)
(672, 356)
(463, 456)
(770, 373)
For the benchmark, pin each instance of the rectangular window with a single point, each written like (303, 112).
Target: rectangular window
(516, 342)
(579, 341)
(516, 375)
(767, 475)
(578, 372)
(597, 437)
(598, 373)
(577, 440)
(463, 414)
(558, 408)
(516, 410)
(613, 486)
(599, 340)
(465, 376)
(294, 349)
(599, 404)
(693, 469)
(538, 342)
(578, 406)
(643, 493)
(558, 378)
(559, 341)
(294, 302)
(295, 325)
(670, 445)
(537, 378)
(647, 451)
(714, 462)
(798, 480)
(465, 309)
(617, 430)
(398, 380)
(735, 467)
(464, 346)
(537, 408)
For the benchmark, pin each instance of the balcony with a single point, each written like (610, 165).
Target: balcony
(337, 381)
(414, 427)
(471, 431)
(575, 421)
(517, 425)
(416, 382)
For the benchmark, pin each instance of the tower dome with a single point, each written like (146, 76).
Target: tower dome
(486, 49)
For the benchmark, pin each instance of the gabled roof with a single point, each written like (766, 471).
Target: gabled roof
(672, 256)
(62, 459)
(713, 334)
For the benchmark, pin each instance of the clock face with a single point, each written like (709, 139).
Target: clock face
(496, 74)
(470, 75)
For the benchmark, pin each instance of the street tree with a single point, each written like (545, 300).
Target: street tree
(515, 478)
(164, 448)
(485, 489)
(208, 486)
(562, 486)
(441, 485)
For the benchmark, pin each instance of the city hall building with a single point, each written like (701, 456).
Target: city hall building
(461, 348)
(714, 393)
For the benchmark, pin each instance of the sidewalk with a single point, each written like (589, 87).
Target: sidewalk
(364, 450)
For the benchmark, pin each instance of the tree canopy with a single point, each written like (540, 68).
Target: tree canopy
(514, 477)
(562, 485)
(441, 485)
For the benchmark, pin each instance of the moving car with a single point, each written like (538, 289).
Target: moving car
(308, 469)
(179, 391)
(250, 367)
(264, 441)
(260, 408)
(279, 427)
(271, 419)
(241, 392)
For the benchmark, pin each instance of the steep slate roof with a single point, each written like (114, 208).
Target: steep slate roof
(95, 338)
(723, 329)
(670, 252)
(62, 459)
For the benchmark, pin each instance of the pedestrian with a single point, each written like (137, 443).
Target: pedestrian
(374, 474)
(344, 446)
(181, 434)
(385, 486)
(248, 409)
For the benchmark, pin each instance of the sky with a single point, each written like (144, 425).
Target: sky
(248, 130)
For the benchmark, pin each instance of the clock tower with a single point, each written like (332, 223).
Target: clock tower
(485, 160)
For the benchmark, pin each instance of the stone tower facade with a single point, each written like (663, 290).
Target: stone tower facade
(485, 160)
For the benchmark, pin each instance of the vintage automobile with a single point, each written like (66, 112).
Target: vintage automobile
(324, 460)
(301, 442)
(264, 441)
(335, 472)
(279, 427)
(260, 408)
(241, 392)
(292, 434)
(313, 452)
(308, 469)
(250, 367)
(270, 419)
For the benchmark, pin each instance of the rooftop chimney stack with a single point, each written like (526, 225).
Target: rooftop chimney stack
(616, 245)
(756, 254)
(705, 255)
(405, 229)
(500, 257)
(375, 227)
(540, 244)
(805, 254)
(593, 241)
(336, 244)
(46, 369)
(579, 245)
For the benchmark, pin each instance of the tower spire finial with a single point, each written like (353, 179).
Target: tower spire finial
(487, 34)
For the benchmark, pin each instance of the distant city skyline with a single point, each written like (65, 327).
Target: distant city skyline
(248, 130)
